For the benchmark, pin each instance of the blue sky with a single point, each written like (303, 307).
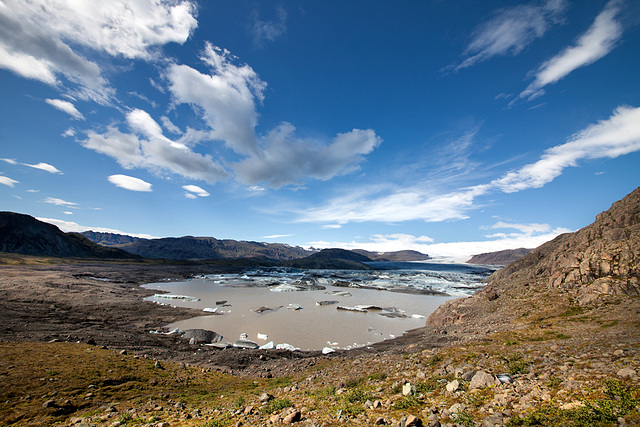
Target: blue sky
(450, 127)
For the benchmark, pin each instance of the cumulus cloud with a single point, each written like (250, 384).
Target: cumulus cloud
(130, 183)
(66, 107)
(227, 98)
(511, 30)
(610, 138)
(36, 37)
(59, 202)
(5, 180)
(194, 191)
(600, 39)
(146, 147)
(286, 159)
(227, 101)
(268, 31)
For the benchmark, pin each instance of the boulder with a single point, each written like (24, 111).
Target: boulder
(482, 380)
(201, 336)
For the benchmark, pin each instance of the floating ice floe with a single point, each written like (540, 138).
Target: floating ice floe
(417, 316)
(294, 307)
(268, 346)
(285, 346)
(321, 303)
(339, 293)
(210, 310)
(176, 297)
(263, 337)
(327, 350)
(347, 308)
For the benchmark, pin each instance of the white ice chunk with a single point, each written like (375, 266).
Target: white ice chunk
(268, 346)
(417, 316)
(285, 346)
(327, 350)
(263, 336)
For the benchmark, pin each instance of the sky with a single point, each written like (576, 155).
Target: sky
(449, 127)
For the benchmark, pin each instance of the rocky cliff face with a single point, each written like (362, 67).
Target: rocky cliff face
(599, 261)
(505, 257)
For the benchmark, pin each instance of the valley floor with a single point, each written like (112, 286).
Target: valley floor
(76, 350)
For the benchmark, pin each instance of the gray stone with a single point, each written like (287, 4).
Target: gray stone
(453, 386)
(626, 373)
(482, 380)
(408, 389)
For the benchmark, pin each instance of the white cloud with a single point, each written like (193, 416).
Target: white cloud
(150, 149)
(226, 101)
(45, 167)
(611, 138)
(74, 227)
(59, 202)
(168, 125)
(68, 213)
(453, 251)
(69, 132)
(598, 41)
(286, 159)
(268, 31)
(66, 107)
(36, 37)
(4, 180)
(129, 183)
(42, 166)
(195, 191)
(277, 236)
(511, 30)
(416, 203)
(226, 98)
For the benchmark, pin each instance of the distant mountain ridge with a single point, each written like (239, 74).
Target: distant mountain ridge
(25, 235)
(504, 257)
(201, 248)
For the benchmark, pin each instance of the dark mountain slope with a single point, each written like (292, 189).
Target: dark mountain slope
(25, 235)
(199, 248)
(406, 255)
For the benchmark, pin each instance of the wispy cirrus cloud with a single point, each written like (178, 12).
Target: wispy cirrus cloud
(600, 39)
(511, 30)
(193, 191)
(5, 180)
(130, 183)
(41, 166)
(268, 31)
(59, 202)
(65, 107)
(616, 136)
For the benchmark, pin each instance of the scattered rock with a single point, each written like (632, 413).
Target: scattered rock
(626, 373)
(453, 386)
(482, 380)
(408, 389)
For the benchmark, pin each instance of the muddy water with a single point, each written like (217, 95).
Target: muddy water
(312, 327)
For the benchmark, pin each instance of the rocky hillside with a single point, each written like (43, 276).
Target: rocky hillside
(109, 239)
(505, 257)
(597, 264)
(200, 248)
(23, 234)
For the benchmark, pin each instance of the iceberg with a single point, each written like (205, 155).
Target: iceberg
(327, 350)
(176, 297)
(268, 346)
(285, 346)
(263, 337)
